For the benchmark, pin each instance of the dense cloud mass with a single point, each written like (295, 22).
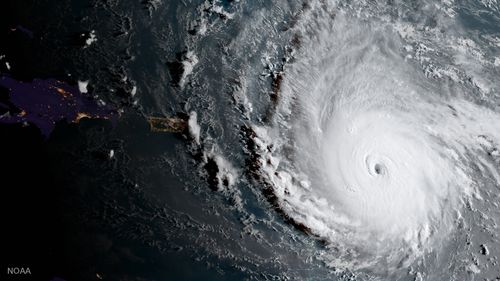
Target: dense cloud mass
(379, 129)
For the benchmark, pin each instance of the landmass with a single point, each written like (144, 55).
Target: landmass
(43, 103)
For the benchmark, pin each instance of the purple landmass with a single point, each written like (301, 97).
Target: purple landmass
(46, 102)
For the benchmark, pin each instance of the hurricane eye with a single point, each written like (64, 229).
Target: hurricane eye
(379, 169)
(375, 167)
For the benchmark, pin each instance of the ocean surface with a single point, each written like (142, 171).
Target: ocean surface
(303, 140)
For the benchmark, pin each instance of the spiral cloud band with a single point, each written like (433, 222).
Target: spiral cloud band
(368, 152)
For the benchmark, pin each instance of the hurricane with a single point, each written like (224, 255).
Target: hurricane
(283, 140)
(381, 130)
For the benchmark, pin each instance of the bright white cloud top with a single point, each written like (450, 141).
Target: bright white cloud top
(369, 152)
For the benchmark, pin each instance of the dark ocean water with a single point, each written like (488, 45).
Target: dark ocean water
(239, 192)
